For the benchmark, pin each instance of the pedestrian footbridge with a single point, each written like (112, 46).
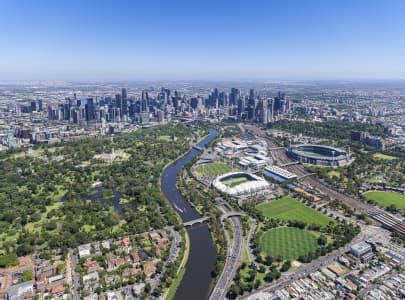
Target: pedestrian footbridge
(196, 221)
(290, 164)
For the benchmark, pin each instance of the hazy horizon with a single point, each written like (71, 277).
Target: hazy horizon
(210, 40)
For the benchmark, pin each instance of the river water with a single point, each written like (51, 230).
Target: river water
(197, 280)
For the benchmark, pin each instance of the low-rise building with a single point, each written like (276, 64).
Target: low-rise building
(84, 250)
(363, 251)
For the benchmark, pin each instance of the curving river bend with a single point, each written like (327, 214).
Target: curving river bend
(197, 280)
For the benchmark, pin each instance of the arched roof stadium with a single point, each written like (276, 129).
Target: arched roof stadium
(253, 183)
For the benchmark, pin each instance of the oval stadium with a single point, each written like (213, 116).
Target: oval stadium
(240, 183)
(319, 155)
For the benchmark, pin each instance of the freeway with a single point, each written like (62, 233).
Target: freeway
(232, 261)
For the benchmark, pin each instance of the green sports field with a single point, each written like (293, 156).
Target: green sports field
(212, 169)
(386, 198)
(231, 182)
(287, 242)
(287, 208)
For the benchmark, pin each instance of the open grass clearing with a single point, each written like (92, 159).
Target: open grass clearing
(212, 169)
(287, 208)
(333, 173)
(386, 198)
(165, 138)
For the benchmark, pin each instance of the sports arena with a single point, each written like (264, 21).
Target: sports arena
(319, 155)
(240, 183)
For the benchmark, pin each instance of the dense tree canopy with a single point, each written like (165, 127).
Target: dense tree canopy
(33, 216)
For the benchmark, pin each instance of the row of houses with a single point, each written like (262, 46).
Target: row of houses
(110, 262)
(33, 276)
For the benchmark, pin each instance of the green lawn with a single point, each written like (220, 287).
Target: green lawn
(333, 173)
(165, 138)
(231, 182)
(287, 242)
(212, 169)
(383, 156)
(287, 208)
(386, 198)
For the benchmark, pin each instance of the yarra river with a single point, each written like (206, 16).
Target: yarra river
(197, 280)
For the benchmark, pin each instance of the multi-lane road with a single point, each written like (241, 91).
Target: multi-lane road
(233, 258)
(234, 253)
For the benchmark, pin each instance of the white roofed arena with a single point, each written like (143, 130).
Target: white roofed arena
(240, 184)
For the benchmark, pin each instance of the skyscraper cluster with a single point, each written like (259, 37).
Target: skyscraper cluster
(164, 104)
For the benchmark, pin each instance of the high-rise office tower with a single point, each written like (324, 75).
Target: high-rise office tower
(89, 109)
(270, 111)
(251, 94)
(234, 96)
(33, 106)
(124, 106)
(39, 105)
(118, 101)
(194, 103)
(279, 103)
(264, 111)
(145, 95)
(241, 107)
(251, 104)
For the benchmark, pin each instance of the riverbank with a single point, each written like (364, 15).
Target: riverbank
(196, 275)
(171, 292)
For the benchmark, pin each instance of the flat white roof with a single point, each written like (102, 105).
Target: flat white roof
(281, 172)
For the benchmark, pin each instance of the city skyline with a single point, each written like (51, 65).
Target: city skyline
(178, 40)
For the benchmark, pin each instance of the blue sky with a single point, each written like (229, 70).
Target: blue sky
(230, 40)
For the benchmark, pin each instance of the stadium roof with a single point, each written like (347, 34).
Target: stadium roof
(249, 187)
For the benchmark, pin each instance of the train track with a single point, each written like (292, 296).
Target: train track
(280, 157)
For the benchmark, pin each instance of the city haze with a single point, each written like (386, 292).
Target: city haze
(209, 40)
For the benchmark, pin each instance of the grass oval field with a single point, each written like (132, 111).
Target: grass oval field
(386, 198)
(287, 208)
(288, 242)
(212, 169)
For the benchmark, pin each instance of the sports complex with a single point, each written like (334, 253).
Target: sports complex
(319, 155)
(240, 183)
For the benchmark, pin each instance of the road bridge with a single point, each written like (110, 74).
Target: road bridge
(233, 214)
(206, 219)
(196, 221)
